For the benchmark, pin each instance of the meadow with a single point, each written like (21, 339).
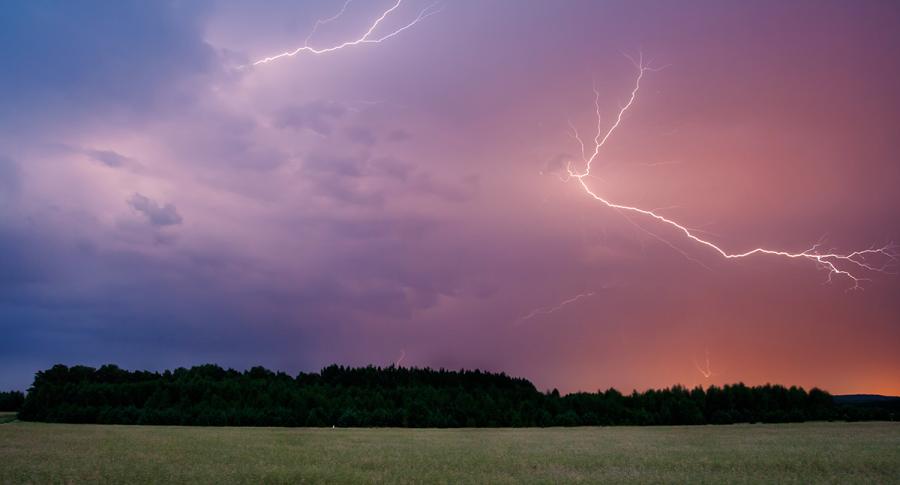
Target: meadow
(745, 453)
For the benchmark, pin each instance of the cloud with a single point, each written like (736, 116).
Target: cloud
(462, 190)
(223, 141)
(397, 228)
(157, 215)
(361, 135)
(390, 167)
(399, 136)
(343, 166)
(19, 263)
(88, 58)
(318, 116)
(10, 176)
(557, 165)
(110, 158)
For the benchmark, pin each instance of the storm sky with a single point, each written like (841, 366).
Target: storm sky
(163, 203)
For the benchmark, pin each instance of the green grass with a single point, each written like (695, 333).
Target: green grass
(7, 417)
(788, 453)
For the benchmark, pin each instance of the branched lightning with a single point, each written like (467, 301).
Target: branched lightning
(837, 264)
(558, 306)
(369, 37)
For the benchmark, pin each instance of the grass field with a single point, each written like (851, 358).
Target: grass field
(790, 453)
(7, 417)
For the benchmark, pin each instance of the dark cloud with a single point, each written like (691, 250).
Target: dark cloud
(157, 215)
(19, 263)
(101, 306)
(191, 306)
(63, 59)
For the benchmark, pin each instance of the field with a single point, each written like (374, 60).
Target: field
(791, 453)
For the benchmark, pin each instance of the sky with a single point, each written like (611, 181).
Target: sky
(164, 202)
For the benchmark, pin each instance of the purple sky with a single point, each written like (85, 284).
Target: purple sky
(163, 206)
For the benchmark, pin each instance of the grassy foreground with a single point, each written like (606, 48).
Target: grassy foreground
(788, 453)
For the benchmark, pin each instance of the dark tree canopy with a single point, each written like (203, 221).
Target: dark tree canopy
(11, 401)
(408, 397)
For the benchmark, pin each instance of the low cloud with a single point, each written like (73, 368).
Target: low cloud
(157, 215)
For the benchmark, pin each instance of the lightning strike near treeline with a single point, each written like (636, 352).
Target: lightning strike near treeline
(705, 371)
(368, 37)
(850, 265)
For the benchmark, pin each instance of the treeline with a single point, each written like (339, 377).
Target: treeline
(372, 396)
(11, 401)
(861, 407)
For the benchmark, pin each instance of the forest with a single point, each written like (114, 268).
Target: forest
(209, 395)
(11, 401)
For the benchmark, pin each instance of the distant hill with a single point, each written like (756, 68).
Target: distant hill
(865, 399)
(865, 407)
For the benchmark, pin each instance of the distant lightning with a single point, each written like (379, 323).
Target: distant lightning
(402, 352)
(551, 309)
(706, 371)
(837, 264)
(369, 37)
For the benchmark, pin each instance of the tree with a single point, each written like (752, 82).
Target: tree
(11, 401)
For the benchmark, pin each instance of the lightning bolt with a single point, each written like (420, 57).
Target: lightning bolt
(550, 309)
(402, 352)
(369, 37)
(847, 265)
(705, 372)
